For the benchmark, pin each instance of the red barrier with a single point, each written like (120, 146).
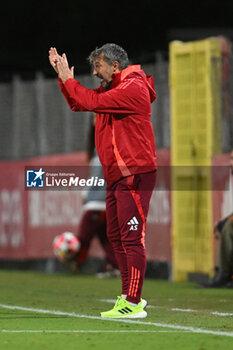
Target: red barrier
(29, 220)
(13, 204)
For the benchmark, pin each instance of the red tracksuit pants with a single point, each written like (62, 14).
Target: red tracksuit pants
(127, 206)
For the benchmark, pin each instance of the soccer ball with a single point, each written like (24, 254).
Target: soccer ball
(66, 244)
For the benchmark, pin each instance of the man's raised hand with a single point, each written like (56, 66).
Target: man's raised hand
(53, 58)
(63, 69)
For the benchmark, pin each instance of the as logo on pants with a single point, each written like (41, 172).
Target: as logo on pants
(133, 224)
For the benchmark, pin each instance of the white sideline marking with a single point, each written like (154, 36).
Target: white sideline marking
(222, 313)
(174, 308)
(129, 321)
(107, 300)
(183, 310)
(86, 331)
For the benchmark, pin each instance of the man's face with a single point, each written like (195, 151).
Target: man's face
(104, 70)
(231, 162)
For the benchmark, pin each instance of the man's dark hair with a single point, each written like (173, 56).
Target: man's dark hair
(111, 53)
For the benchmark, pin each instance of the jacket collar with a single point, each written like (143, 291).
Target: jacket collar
(118, 77)
(129, 70)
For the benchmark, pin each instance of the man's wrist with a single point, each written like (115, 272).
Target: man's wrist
(65, 79)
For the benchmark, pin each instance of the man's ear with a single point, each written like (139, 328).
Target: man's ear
(116, 67)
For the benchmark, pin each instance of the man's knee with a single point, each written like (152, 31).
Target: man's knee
(134, 245)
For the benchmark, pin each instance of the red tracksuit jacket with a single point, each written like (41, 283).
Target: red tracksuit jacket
(124, 135)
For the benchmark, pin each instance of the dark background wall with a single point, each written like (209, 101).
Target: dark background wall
(29, 28)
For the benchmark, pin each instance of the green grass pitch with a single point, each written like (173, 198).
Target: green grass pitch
(60, 311)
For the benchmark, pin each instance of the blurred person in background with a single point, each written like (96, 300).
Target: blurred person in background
(93, 221)
(125, 144)
(223, 231)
